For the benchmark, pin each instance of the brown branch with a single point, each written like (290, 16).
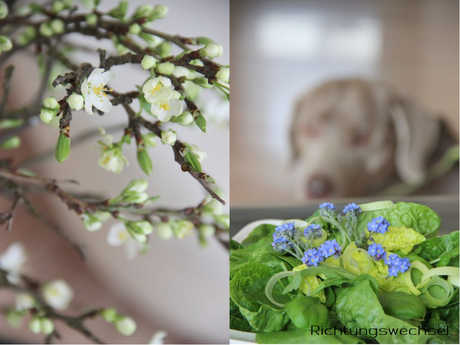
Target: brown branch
(9, 215)
(6, 87)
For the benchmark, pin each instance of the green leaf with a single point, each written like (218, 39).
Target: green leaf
(410, 215)
(144, 161)
(192, 159)
(119, 12)
(402, 305)
(436, 247)
(200, 121)
(306, 337)
(306, 312)
(62, 150)
(259, 232)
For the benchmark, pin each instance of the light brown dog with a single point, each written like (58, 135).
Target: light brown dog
(350, 137)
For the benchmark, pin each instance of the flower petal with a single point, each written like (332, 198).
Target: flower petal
(84, 88)
(89, 105)
(103, 104)
(175, 107)
(117, 235)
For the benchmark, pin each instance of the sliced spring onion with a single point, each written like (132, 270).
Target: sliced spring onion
(410, 284)
(271, 284)
(433, 295)
(441, 271)
(377, 205)
(350, 264)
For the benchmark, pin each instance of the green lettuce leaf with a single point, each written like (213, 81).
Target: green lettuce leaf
(258, 233)
(398, 238)
(434, 248)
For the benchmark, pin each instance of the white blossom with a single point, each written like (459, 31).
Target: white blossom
(13, 260)
(164, 110)
(24, 301)
(94, 91)
(118, 235)
(58, 294)
(158, 89)
(158, 337)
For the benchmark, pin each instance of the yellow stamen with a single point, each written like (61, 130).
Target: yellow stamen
(165, 106)
(101, 90)
(157, 88)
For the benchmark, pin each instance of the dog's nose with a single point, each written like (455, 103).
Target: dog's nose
(319, 186)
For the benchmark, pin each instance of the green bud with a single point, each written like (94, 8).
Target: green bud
(119, 12)
(159, 11)
(47, 115)
(109, 314)
(150, 140)
(3, 10)
(164, 231)
(91, 19)
(10, 123)
(135, 29)
(27, 35)
(57, 26)
(35, 325)
(182, 228)
(212, 50)
(142, 227)
(91, 222)
(223, 220)
(143, 11)
(76, 101)
(45, 30)
(203, 82)
(57, 6)
(47, 326)
(183, 119)
(151, 40)
(51, 103)
(203, 40)
(5, 44)
(164, 49)
(67, 3)
(165, 68)
(200, 121)
(36, 8)
(148, 62)
(132, 197)
(209, 179)
(139, 185)
(125, 326)
(207, 230)
(223, 74)
(169, 137)
(144, 161)
(62, 150)
(11, 143)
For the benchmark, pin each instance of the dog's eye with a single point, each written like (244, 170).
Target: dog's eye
(360, 137)
(310, 130)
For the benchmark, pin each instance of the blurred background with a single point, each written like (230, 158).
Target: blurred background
(342, 98)
(177, 286)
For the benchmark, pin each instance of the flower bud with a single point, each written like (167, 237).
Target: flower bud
(183, 119)
(223, 74)
(62, 150)
(164, 231)
(57, 26)
(135, 29)
(165, 68)
(91, 222)
(5, 44)
(203, 82)
(47, 326)
(27, 35)
(58, 294)
(51, 103)
(138, 186)
(168, 137)
(203, 40)
(134, 197)
(148, 62)
(143, 11)
(47, 115)
(109, 314)
(200, 121)
(142, 227)
(212, 50)
(150, 140)
(76, 101)
(207, 230)
(57, 6)
(91, 19)
(3, 10)
(35, 325)
(11, 143)
(24, 301)
(213, 208)
(164, 48)
(159, 11)
(126, 326)
(144, 161)
(45, 30)
(141, 238)
(67, 3)
(183, 228)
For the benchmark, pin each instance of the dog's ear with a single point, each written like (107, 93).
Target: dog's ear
(417, 136)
